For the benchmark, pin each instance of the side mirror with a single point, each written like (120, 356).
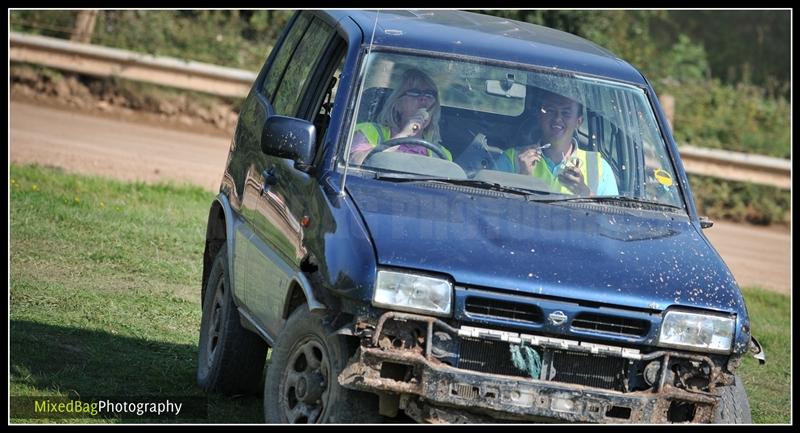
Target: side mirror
(291, 138)
(705, 222)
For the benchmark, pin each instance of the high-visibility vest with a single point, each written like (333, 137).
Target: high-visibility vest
(591, 168)
(376, 134)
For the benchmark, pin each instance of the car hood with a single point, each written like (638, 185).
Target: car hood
(597, 253)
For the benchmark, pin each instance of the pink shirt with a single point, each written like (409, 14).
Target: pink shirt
(361, 144)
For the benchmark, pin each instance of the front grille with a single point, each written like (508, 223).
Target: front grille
(504, 310)
(611, 324)
(588, 369)
(494, 357)
(487, 356)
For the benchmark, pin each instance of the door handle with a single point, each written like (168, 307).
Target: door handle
(269, 179)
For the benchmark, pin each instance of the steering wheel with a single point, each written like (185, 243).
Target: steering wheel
(407, 140)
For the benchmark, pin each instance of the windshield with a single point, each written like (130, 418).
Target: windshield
(562, 134)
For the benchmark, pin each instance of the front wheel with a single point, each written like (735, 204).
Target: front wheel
(733, 407)
(302, 386)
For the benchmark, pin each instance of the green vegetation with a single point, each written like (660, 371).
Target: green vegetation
(237, 39)
(105, 289)
(728, 70)
(741, 201)
(769, 386)
(104, 299)
(741, 118)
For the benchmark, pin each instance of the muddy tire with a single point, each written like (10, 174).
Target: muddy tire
(734, 407)
(301, 384)
(230, 358)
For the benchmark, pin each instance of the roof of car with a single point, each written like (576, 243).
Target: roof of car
(479, 35)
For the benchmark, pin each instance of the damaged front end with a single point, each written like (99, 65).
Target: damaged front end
(437, 373)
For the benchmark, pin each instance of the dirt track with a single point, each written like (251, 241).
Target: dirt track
(130, 151)
(113, 148)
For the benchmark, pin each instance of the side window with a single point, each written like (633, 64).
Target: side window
(291, 89)
(324, 105)
(336, 74)
(282, 59)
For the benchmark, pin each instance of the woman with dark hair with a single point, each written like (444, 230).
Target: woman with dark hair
(412, 110)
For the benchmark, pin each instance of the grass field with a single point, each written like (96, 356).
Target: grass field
(105, 283)
(104, 298)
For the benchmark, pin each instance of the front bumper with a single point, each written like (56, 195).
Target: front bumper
(437, 392)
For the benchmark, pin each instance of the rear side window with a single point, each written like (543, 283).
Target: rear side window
(282, 59)
(292, 87)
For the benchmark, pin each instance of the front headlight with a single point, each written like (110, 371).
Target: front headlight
(411, 292)
(697, 331)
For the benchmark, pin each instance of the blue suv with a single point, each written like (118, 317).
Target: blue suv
(453, 217)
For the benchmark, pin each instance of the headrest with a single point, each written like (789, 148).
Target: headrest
(372, 101)
(528, 130)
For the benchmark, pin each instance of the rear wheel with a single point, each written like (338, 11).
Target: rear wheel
(734, 407)
(301, 385)
(230, 358)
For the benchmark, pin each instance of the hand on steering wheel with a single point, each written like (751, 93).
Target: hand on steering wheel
(437, 150)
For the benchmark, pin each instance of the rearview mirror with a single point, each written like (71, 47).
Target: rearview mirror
(289, 137)
(506, 88)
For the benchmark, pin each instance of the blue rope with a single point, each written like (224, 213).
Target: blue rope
(526, 359)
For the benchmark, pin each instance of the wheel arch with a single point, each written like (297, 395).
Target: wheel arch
(295, 298)
(218, 233)
(300, 292)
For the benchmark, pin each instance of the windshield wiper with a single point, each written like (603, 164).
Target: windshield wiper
(482, 184)
(607, 199)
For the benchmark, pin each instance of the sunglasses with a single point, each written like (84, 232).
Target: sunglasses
(416, 93)
(566, 113)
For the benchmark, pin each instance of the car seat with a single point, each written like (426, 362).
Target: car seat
(528, 132)
(372, 101)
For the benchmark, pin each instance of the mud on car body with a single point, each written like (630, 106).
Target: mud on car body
(456, 289)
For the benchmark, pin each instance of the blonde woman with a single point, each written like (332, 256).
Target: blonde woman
(412, 111)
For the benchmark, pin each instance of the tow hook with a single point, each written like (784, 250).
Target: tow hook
(757, 351)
